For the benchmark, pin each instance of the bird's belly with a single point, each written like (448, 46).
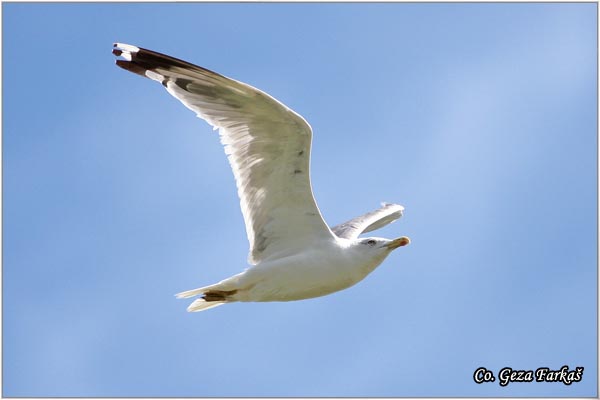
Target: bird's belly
(288, 281)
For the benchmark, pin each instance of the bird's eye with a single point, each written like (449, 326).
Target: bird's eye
(371, 242)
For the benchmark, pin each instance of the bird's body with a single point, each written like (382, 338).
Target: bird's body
(293, 253)
(315, 271)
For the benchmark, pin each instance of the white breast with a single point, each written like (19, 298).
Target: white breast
(320, 270)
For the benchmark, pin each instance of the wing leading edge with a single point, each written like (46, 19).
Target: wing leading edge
(267, 144)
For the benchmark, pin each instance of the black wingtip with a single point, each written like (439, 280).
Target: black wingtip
(150, 60)
(132, 67)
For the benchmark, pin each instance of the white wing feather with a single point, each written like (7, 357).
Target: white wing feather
(379, 218)
(268, 146)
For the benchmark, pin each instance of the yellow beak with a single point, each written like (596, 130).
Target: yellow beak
(401, 241)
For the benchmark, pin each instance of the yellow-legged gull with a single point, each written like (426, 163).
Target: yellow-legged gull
(294, 254)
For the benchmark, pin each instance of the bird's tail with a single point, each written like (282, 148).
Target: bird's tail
(211, 297)
(201, 305)
(192, 293)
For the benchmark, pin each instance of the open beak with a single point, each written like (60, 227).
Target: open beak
(401, 241)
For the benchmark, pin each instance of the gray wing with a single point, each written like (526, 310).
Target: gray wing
(267, 144)
(379, 218)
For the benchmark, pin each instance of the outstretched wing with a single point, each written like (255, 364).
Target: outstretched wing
(268, 146)
(379, 218)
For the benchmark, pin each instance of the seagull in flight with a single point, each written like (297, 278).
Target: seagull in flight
(294, 254)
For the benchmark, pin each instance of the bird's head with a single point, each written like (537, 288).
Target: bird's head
(376, 244)
(373, 250)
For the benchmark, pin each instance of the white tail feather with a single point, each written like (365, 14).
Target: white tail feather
(196, 292)
(217, 294)
(190, 293)
(201, 305)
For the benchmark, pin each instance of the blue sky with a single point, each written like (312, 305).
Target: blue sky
(479, 118)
